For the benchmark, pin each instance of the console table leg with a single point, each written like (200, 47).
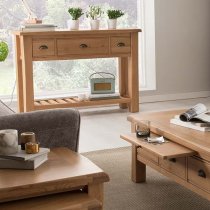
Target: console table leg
(138, 171)
(133, 84)
(19, 74)
(123, 75)
(27, 74)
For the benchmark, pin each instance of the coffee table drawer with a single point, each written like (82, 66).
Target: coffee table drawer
(175, 166)
(83, 46)
(43, 47)
(143, 153)
(199, 173)
(165, 151)
(121, 44)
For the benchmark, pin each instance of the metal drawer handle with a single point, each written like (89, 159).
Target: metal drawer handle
(172, 160)
(83, 46)
(121, 44)
(43, 47)
(202, 173)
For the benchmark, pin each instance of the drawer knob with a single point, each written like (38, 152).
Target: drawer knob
(43, 47)
(121, 44)
(83, 46)
(172, 160)
(202, 173)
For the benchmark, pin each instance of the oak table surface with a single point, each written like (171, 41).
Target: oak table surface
(185, 158)
(160, 124)
(64, 171)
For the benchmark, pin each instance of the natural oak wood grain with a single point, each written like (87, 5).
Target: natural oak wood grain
(19, 74)
(186, 159)
(61, 201)
(138, 171)
(27, 73)
(64, 171)
(123, 82)
(74, 102)
(195, 140)
(133, 76)
(166, 151)
(82, 44)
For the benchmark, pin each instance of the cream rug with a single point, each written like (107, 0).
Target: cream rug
(159, 192)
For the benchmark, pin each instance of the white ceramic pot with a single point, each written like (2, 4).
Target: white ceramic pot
(73, 24)
(94, 24)
(112, 23)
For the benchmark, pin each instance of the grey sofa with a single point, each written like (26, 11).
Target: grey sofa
(53, 128)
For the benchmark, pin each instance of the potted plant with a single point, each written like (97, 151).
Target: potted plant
(75, 13)
(113, 15)
(94, 13)
(4, 51)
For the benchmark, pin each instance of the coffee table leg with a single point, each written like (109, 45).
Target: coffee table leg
(138, 171)
(97, 191)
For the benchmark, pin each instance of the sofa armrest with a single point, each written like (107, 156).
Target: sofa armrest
(53, 128)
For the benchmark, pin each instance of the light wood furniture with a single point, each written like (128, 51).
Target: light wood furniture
(185, 158)
(65, 45)
(66, 181)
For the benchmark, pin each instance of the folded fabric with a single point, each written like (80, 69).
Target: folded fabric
(156, 140)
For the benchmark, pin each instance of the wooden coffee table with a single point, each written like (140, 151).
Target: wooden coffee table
(66, 181)
(185, 158)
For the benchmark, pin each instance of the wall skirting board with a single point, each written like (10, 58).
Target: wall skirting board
(174, 96)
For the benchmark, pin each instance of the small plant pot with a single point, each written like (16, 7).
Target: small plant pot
(112, 23)
(94, 24)
(73, 24)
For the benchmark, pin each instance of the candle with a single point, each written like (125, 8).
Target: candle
(25, 138)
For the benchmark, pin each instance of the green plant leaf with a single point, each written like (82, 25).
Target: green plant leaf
(4, 51)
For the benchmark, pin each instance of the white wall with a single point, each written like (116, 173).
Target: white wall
(182, 30)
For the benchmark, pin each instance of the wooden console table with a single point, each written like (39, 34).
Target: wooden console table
(185, 158)
(65, 45)
(66, 181)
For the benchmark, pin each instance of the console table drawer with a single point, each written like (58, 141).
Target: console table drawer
(175, 166)
(120, 45)
(83, 46)
(199, 173)
(43, 47)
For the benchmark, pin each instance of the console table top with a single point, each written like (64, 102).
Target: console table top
(80, 32)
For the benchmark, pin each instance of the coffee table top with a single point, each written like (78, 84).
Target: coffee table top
(65, 170)
(160, 124)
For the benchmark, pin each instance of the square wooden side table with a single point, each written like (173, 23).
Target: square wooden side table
(57, 184)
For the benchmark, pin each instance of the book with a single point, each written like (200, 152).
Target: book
(191, 125)
(195, 121)
(104, 96)
(38, 27)
(23, 164)
(22, 155)
(198, 112)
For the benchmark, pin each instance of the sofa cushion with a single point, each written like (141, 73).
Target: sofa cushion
(5, 110)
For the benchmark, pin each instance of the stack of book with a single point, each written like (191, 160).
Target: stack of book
(197, 118)
(22, 160)
(38, 27)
